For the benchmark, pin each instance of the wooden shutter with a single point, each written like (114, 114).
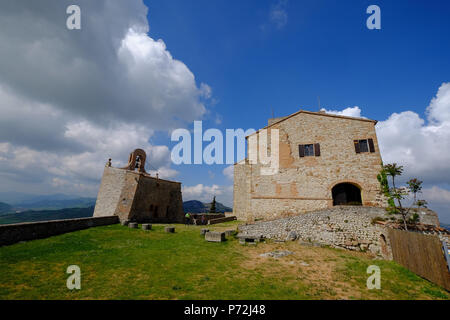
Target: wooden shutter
(357, 146)
(317, 149)
(371, 146)
(301, 150)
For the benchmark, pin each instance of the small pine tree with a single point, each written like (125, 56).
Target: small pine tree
(213, 209)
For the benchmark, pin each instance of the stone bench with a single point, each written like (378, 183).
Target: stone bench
(215, 236)
(133, 225)
(169, 229)
(247, 238)
(146, 226)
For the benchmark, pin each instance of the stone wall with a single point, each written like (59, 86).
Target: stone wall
(13, 233)
(221, 220)
(138, 197)
(427, 216)
(109, 195)
(341, 227)
(157, 201)
(305, 184)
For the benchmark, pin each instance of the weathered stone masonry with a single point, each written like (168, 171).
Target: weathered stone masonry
(305, 183)
(137, 196)
(341, 227)
(347, 227)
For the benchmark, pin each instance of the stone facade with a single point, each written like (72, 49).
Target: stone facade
(137, 196)
(305, 183)
(340, 227)
(346, 227)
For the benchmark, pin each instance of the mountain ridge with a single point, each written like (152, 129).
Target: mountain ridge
(195, 206)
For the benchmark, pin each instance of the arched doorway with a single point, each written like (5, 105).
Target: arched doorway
(346, 194)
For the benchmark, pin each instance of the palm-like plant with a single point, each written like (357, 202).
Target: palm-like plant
(415, 186)
(393, 170)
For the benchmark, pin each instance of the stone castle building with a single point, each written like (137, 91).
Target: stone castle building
(133, 195)
(325, 160)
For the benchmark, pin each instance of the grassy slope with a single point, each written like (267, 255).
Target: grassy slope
(121, 263)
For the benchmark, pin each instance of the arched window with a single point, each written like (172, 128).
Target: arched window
(346, 194)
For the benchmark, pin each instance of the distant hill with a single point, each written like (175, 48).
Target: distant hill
(50, 204)
(24, 202)
(195, 206)
(44, 215)
(5, 208)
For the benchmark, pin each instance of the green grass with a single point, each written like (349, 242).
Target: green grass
(121, 263)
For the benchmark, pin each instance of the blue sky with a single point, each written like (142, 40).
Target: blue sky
(324, 49)
(137, 70)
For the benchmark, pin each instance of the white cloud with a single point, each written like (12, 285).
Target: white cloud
(439, 201)
(436, 195)
(81, 172)
(439, 109)
(278, 14)
(229, 172)
(348, 112)
(203, 193)
(420, 146)
(69, 100)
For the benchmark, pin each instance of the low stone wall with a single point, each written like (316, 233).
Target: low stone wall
(13, 233)
(197, 217)
(221, 220)
(341, 227)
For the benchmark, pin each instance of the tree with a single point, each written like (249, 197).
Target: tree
(213, 209)
(415, 186)
(393, 170)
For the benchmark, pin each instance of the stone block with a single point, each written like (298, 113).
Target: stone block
(215, 236)
(245, 238)
(146, 226)
(133, 225)
(292, 236)
(169, 229)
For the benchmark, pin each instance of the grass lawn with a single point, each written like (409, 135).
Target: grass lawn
(121, 263)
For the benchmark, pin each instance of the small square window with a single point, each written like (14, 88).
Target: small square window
(309, 150)
(363, 146)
